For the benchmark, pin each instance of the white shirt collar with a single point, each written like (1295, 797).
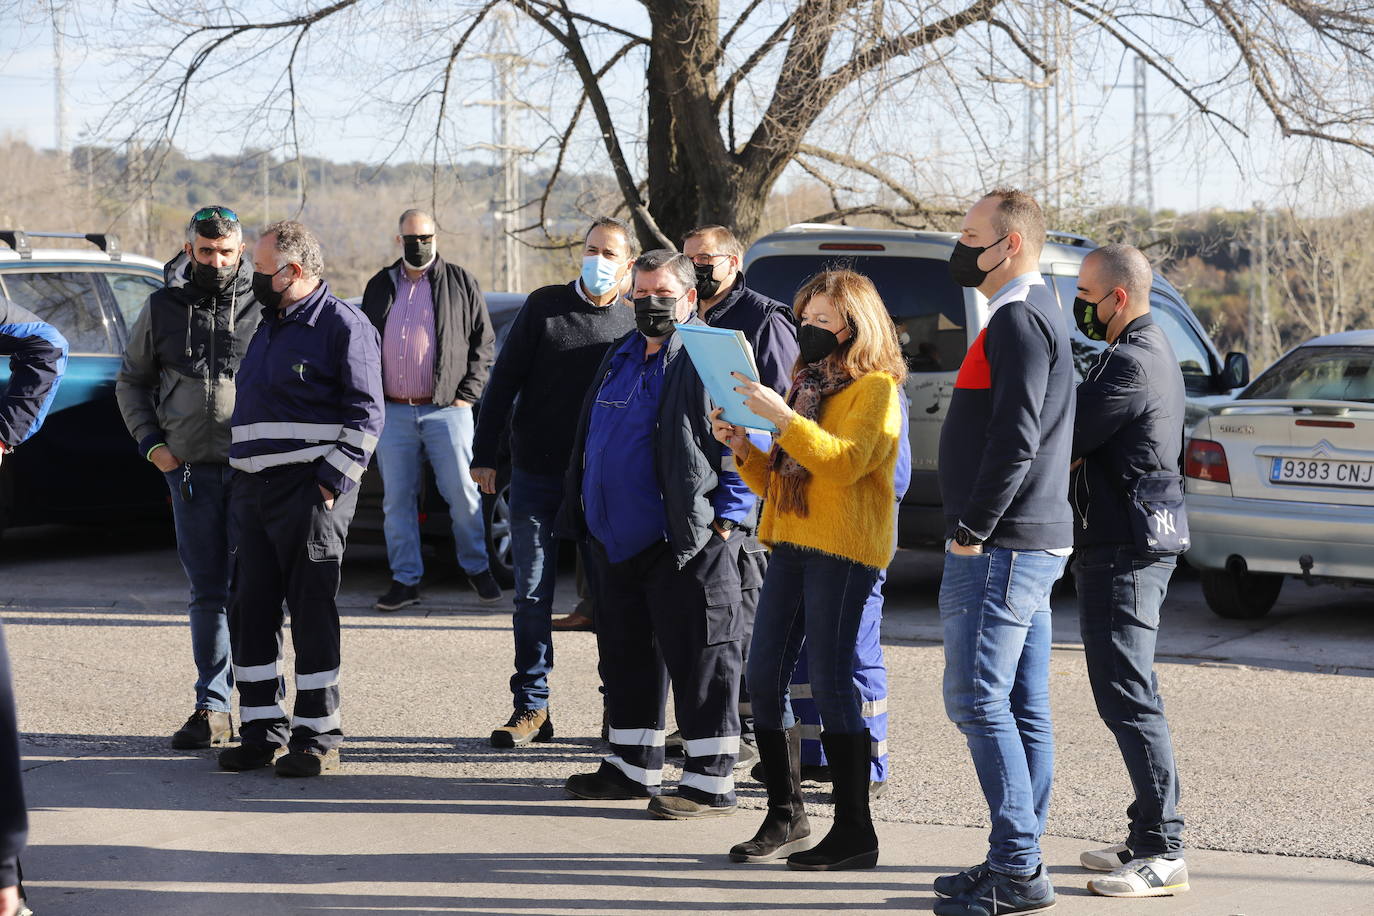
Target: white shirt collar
(577, 285)
(1015, 290)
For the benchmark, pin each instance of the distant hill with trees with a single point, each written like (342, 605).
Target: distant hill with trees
(1320, 275)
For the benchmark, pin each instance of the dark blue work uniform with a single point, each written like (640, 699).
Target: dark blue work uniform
(646, 483)
(308, 414)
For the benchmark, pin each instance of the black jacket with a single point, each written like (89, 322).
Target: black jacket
(768, 325)
(1129, 422)
(14, 824)
(465, 342)
(687, 455)
(176, 385)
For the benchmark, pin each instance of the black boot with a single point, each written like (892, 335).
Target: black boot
(851, 842)
(784, 829)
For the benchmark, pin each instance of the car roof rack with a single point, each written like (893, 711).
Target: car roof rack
(18, 239)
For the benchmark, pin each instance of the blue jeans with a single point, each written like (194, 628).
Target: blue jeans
(870, 679)
(202, 527)
(808, 594)
(443, 435)
(534, 502)
(1119, 597)
(995, 608)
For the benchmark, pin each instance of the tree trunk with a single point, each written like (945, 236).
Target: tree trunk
(694, 178)
(670, 191)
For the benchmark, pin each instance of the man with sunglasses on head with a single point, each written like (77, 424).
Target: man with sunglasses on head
(176, 392)
(437, 347)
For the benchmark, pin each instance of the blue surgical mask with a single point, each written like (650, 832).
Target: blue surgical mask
(599, 274)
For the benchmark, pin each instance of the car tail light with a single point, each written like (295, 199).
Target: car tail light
(1206, 460)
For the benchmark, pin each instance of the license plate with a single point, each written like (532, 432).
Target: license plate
(1323, 472)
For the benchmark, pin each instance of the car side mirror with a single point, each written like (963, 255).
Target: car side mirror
(1235, 372)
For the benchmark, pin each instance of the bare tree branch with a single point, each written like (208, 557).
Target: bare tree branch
(1262, 79)
(849, 162)
(576, 53)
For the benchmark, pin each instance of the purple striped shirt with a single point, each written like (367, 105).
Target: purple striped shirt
(408, 340)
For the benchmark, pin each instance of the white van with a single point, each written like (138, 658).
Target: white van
(937, 322)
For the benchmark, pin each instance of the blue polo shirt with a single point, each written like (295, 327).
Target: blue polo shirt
(620, 487)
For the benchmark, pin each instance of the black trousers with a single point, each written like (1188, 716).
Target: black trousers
(288, 548)
(656, 622)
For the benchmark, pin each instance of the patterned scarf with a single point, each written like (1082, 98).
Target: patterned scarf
(812, 385)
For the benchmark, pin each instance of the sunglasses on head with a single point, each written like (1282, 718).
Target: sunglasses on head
(205, 213)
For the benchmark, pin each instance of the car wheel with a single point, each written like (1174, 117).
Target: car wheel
(1240, 595)
(496, 509)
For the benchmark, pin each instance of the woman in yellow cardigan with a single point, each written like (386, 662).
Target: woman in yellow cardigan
(827, 516)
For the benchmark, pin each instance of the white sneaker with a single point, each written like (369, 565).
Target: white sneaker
(1109, 859)
(1152, 877)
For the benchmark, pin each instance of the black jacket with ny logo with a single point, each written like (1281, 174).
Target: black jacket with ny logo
(1129, 423)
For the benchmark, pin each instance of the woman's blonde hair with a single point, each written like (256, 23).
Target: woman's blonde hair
(873, 346)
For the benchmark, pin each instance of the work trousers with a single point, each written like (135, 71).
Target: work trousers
(753, 567)
(656, 622)
(288, 548)
(1120, 594)
(870, 680)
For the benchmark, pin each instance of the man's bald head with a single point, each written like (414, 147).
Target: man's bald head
(1124, 266)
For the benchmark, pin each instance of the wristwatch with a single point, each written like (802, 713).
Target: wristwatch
(966, 538)
(725, 524)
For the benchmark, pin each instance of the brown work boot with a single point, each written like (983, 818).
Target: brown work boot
(574, 621)
(525, 725)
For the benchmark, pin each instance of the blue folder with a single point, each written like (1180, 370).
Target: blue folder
(717, 352)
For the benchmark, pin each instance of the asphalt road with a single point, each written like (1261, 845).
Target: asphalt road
(1272, 719)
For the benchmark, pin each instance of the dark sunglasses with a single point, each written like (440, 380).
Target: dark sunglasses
(205, 213)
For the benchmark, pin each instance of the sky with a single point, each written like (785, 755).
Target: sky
(1192, 168)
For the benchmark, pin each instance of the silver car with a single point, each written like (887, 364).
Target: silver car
(938, 321)
(1281, 481)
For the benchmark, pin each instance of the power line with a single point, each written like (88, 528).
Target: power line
(1142, 180)
(506, 65)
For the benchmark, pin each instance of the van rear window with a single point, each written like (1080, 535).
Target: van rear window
(925, 304)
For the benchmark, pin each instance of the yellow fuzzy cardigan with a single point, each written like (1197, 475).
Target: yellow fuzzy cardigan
(851, 453)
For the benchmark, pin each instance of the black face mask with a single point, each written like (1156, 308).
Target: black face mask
(263, 291)
(655, 315)
(1085, 316)
(707, 285)
(213, 279)
(963, 264)
(816, 343)
(418, 251)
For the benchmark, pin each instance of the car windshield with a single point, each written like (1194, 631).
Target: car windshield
(1319, 374)
(925, 304)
